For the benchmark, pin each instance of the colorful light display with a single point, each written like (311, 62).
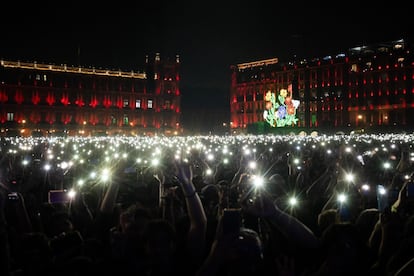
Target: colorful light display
(280, 109)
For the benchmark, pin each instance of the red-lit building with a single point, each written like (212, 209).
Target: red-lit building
(367, 87)
(71, 100)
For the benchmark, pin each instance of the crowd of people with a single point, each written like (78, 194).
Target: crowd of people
(207, 205)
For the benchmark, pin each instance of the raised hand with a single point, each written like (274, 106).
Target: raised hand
(184, 176)
(259, 204)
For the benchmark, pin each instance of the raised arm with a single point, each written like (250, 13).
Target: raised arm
(108, 202)
(198, 221)
(264, 207)
(240, 172)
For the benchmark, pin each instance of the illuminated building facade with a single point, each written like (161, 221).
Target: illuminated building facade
(88, 101)
(367, 87)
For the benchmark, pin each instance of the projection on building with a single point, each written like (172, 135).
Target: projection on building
(280, 108)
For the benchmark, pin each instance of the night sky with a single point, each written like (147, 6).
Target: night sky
(209, 36)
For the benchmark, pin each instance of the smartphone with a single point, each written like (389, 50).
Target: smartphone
(344, 212)
(13, 196)
(382, 198)
(58, 196)
(410, 190)
(231, 220)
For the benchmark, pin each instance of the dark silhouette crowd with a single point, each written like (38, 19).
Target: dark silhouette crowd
(207, 205)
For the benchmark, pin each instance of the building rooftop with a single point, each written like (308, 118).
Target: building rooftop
(71, 69)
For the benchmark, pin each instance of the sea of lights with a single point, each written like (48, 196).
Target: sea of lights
(93, 160)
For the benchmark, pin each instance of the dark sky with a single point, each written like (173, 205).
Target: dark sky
(209, 36)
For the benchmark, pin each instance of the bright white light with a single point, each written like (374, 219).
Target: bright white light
(258, 181)
(349, 177)
(155, 162)
(381, 190)
(71, 193)
(252, 165)
(387, 165)
(293, 201)
(106, 174)
(64, 165)
(365, 187)
(47, 167)
(342, 198)
(361, 159)
(209, 172)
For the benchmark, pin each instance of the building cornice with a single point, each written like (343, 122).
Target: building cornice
(70, 69)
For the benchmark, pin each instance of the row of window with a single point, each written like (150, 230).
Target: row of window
(69, 81)
(93, 119)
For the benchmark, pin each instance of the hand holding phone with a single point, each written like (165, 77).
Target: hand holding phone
(382, 198)
(13, 196)
(58, 196)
